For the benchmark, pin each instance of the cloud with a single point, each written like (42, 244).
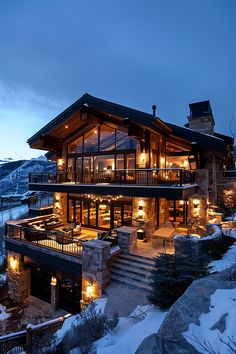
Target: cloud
(22, 113)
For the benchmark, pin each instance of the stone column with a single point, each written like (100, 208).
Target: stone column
(60, 206)
(127, 239)
(95, 269)
(197, 212)
(18, 277)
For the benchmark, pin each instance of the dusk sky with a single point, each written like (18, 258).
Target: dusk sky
(136, 53)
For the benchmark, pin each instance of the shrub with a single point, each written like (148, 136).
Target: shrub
(172, 275)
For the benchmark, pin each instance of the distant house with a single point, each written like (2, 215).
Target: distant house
(116, 167)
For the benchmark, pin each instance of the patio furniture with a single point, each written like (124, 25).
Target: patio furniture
(162, 235)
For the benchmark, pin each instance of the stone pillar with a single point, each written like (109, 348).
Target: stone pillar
(54, 292)
(197, 212)
(60, 206)
(144, 214)
(127, 239)
(95, 269)
(18, 277)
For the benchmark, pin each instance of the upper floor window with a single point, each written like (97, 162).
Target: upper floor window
(102, 138)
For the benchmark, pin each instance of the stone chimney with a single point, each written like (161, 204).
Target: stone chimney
(201, 118)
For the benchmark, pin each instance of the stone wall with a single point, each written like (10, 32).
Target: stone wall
(18, 277)
(60, 206)
(95, 269)
(148, 220)
(226, 193)
(127, 239)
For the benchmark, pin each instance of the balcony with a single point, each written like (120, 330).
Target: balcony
(164, 183)
(21, 233)
(143, 177)
(229, 174)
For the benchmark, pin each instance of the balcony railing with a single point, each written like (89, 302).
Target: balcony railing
(46, 239)
(229, 174)
(145, 177)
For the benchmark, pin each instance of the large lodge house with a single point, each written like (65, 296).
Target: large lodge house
(117, 169)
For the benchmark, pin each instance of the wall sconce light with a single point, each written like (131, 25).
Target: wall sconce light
(53, 281)
(140, 208)
(89, 289)
(196, 203)
(143, 157)
(13, 263)
(162, 161)
(140, 203)
(59, 163)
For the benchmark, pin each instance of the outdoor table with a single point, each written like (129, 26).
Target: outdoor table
(164, 233)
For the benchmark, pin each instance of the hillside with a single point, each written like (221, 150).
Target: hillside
(14, 176)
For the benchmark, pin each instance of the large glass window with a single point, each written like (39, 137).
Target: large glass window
(124, 142)
(85, 207)
(120, 162)
(91, 141)
(76, 147)
(107, 138)
(104, 215)
(92, 214)
(104, 163)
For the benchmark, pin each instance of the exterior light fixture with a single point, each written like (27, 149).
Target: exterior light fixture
(13, 263)
(140, 208)
(196, 203)
(89, 289)
(59, 163)
(53, 281)
(143, 157)
(66, 127)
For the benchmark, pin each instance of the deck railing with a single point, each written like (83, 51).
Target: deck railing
(146, 177)
(32, 339)
(53, 239)
(231, 174)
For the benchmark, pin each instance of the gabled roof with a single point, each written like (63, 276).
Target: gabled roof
(139, 117)
(205, 141)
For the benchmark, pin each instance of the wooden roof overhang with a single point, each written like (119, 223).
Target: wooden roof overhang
(88, 112)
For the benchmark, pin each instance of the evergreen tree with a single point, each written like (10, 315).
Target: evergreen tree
(172, 275)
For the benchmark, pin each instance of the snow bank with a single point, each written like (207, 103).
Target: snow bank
(3, 314)
(219, 322)
(227, 261)
(73, 320)
(128, 334)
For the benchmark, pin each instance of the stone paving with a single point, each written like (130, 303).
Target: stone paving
(32, 311)
(123, 299)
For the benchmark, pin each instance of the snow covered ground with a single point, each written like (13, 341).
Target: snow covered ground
(128, 334)
(218, 323)
(3, 314)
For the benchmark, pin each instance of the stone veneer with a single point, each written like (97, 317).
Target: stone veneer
(18, 278)
(95, 269)
(127, 239)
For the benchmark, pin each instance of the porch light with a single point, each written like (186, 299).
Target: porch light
(53, 281)
(143, 157)
(13, 263)
(66, 127)
(59, 162)
(196, 203)
(140, 213)
(95, 131)
(140, 203)
(162, 161)
(89, 289)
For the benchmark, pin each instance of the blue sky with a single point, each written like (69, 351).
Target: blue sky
(137, 53)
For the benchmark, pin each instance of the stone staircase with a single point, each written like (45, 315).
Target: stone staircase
(132, 270)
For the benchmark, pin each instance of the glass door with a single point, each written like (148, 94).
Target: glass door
(79, 170)
(88, 170)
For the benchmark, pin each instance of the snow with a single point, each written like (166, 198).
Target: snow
(73, 320)
(229, 232)
(3, 314)
(128, 335)
(223, 304)
(227, 261)
(217, 232)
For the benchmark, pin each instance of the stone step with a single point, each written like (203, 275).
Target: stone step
(138, 258)
(124, 263)
(130, 282)
(137, 261)
(130, 269)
